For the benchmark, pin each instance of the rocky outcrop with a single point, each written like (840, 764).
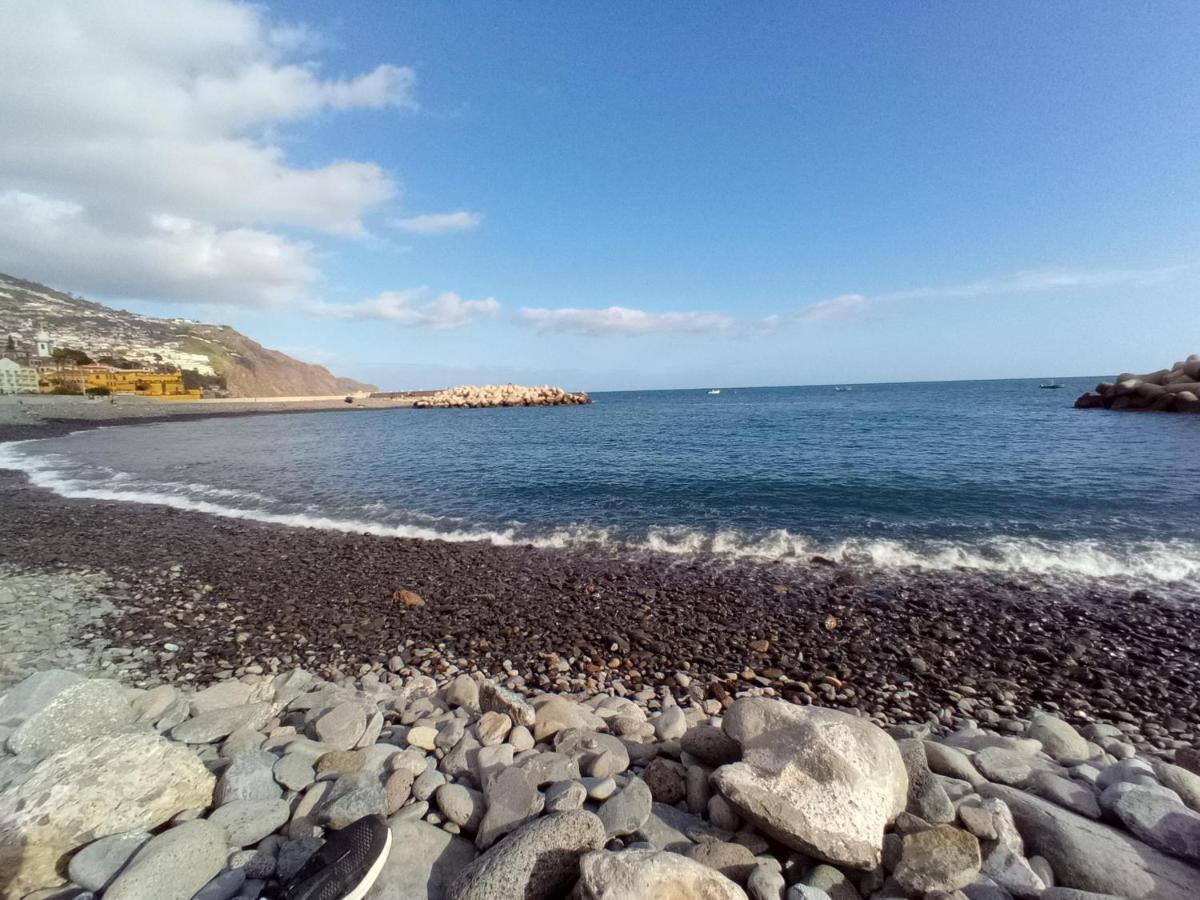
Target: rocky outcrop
(1176, 389)
(475, 397)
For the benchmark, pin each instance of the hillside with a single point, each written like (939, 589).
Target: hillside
(248, 368)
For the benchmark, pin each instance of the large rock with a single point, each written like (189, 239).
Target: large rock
(251, 776)
(651, 875)
(512, 800)
(1161, 821)
(32, 694)
(820, 781)
(174, 865)
(926, 797)
(342, 726)
(423, 862)
(79, 711)
(495, 698)
(221, 695)
(1092, 856)
(952, 763)
(247, 822)
(627, 810)
(96, 865)
(538, 861)
(938, 859)
(106, 785)
(1059, 739)
(710, 745)
(557, 713)
(220, 723)
(1184, 783)
(350, 798)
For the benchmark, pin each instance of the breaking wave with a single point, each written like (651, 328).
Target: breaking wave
(1172, 562)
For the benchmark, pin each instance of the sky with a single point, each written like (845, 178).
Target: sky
(620, 195)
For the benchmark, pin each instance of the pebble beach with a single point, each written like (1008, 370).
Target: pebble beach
(552, 723)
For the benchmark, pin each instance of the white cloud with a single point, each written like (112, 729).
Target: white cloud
(440, 223)
(1027, 281)
(171, 259)
(139, 117)
(621, 320)
(416, 307)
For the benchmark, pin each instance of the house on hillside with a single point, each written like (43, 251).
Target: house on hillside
(17, 378)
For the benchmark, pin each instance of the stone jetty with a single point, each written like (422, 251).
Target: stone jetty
(1176, 389)
(478, 397)
(167, 792)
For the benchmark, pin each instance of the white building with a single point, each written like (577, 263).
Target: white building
(44, 347)
(16, 378)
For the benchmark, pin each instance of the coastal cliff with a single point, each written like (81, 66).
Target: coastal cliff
(216, 353)
(1176, 389)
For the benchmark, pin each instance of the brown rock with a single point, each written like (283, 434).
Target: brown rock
(408, 598)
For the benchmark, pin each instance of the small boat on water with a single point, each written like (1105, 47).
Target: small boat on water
(1051, 385)
(839, 389)
(715, 391)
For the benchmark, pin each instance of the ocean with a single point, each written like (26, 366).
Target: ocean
(993, 476)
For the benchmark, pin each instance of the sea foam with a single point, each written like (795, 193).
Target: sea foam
(1172, 562)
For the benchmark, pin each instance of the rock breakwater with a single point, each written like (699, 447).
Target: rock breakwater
(1176, 389)
(478, 397)
(226, 791)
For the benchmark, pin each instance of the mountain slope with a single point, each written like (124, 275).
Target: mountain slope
(249, 369)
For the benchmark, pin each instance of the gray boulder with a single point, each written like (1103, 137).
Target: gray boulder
(247, 822)
(942, 858)
(1161, 821)
(424, 861)
(173, 865)
(926, 797)
(342, 726)
(495, 698)
(461, 805)
(350, 798)
(627, 810)
(103, 786)
(604, 875)
(251, 776)
(79, 711)
(220, 723)
(1059, 739)
(1184, 783)
(1066, 792)
(820, 781)
(1092, 856)
(32, 694)
(96, 865)
(512, 800)
(538, 861)
(952, 763)
(221, 695)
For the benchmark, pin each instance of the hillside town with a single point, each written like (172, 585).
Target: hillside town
(39, 367)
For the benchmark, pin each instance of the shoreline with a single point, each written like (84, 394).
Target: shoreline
(21, 420)
(900, 646)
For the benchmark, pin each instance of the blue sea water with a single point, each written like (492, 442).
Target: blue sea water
(988, 475)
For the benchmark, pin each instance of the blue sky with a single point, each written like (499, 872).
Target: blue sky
(773, 193)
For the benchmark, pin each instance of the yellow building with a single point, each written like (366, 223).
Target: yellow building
(143, 382)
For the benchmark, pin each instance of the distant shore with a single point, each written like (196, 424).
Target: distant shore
(34, 416)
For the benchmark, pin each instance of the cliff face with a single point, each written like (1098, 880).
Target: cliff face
(248, 368)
